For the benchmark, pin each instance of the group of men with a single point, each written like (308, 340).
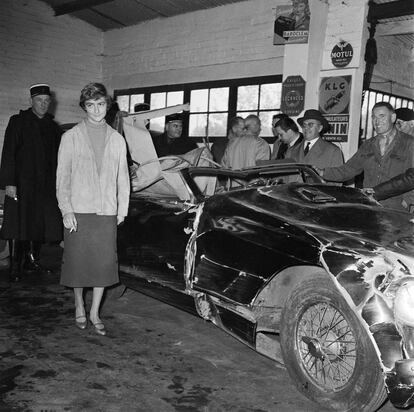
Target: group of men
(386, 160)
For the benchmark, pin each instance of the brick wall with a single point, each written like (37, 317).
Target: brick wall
(225, 42)
(38, 47)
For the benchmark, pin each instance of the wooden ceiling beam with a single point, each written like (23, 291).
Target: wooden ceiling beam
(395, 28)
(77, 5)
(390, 10)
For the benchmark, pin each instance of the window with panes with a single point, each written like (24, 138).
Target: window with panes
(212, 104)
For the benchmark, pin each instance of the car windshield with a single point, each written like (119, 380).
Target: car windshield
(229, 180)
(187, 183)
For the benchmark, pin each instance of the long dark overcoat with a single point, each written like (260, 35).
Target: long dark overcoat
(29, 161)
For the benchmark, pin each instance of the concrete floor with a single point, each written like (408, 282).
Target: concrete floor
(154, 358)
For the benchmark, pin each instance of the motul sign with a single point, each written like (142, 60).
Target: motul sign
(341, 54)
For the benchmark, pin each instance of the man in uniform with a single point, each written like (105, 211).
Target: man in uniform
(28, 176)
(171, 141)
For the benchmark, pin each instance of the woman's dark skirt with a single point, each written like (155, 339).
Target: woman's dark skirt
(90, 255)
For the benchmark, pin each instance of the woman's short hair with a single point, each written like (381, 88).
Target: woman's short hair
(94, 91)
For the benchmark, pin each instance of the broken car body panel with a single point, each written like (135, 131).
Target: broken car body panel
(240, 252)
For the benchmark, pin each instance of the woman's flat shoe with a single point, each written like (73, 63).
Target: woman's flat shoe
(81, 324)
(99, 328)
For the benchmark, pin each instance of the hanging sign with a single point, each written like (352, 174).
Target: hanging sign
(293, 95)
(292, 23)
(334, 98)
(341, 54)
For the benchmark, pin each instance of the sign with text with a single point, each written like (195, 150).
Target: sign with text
(293, 95)
(341, 54)
(292, 23)
(334, 98)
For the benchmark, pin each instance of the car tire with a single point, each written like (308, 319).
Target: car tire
(327, 352)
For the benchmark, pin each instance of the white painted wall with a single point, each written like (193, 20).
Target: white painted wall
(230, 41)
(37, 47)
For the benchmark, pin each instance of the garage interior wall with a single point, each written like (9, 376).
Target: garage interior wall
(37, 47)
(394, 72)
(230, 41)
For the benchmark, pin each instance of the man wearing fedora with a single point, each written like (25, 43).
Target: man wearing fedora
(313, 149)
(405, 120)
(388, 154)
(28, 176)
(171, 141)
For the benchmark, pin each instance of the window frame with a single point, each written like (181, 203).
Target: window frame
(232, 84)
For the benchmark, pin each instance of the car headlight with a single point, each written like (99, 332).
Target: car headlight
(404, 303)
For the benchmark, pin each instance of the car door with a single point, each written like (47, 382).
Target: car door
(153, 236)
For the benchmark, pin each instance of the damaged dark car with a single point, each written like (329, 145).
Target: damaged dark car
(316, 276)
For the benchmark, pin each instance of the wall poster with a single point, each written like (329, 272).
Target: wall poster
(334, 98)
(293, 95)
(292, 23)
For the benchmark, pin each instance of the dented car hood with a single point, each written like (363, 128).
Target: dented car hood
(334, 215)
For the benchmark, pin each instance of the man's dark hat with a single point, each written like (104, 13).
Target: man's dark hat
(41, 88)
(175, 117)
(405, 114)
(315, 115)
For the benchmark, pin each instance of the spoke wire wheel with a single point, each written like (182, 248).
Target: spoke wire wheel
(326, 349)
(327, 346)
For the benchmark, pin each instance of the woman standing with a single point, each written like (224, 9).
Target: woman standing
(93, 194)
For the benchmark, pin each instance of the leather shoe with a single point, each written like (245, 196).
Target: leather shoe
(99, 328)
(81, 324)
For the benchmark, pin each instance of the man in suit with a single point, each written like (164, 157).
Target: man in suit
(279, 148)
(313, 149)
(289, 134)
(247, 150)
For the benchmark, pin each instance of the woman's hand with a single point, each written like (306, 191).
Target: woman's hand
(69, 221)
(120, 219)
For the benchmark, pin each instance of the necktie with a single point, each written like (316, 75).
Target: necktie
(306, 148)
(282, 150)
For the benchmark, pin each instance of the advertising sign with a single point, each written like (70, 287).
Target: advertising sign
(292, 23)
(334, 98)
(341, 54)
(293, 95)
